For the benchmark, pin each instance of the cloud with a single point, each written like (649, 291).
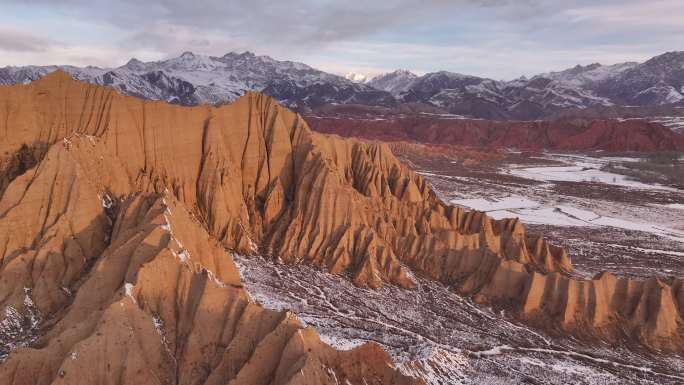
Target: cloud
(654, 14)
(157, 24)
(18, 41)
(496, 38)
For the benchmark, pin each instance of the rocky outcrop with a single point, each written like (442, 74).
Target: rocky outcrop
(253, 179)
(133, 290)
(605, 307)
(261, 181)
(565, 134)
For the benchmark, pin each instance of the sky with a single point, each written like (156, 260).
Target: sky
(501, 39)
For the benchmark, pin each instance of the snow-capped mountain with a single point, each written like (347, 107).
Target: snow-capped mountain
(17, 75)
(356, 77)
(658, 81)
(394, 82)
(193, 79)
(492, 99)
(588, 76)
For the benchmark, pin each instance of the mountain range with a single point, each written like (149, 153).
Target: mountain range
(191, 79)
(658, 81)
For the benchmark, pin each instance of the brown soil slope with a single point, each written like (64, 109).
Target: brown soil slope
(85, 235)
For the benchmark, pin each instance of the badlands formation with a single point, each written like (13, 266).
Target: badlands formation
(118, 218)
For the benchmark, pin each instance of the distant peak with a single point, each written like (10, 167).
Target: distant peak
(134, 64)
(187, 55)
(449, 74)
(668, 56)
(356, 77)
(233, 54)
(673, 54)
(134, 61)
(578, 69)
(402, 71)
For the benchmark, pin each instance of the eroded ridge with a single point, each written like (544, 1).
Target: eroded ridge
(259, 181)
(133, 288)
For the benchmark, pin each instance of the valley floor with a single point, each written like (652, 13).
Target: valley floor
(436, 334)
(607, 221)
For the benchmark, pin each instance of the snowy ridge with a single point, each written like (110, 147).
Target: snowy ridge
(395, 82)
(191, 79)
(659, 81)
(675, 123)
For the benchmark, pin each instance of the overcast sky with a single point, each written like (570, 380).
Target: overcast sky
(502, 39)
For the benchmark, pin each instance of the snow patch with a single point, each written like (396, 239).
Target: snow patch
(506, 203)
(441, 367)
(341, 343)
(17, 329)
(586, 172)
(532, 212)
(128, 290)
(166, 226)
(107, 201)
(495, 351)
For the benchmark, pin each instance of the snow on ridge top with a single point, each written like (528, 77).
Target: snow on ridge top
(192, 62)
(584, 75)
(664, 93)
(394, 82)
(192, 78)
(135, 64)
(676, 57)
(451, 75)
(402, 71)
(356, 77)
(395, 73)
(229, 75)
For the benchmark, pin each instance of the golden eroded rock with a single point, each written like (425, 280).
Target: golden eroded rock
(260, 180)
(133, 290)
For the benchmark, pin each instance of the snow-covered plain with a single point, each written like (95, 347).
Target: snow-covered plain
(434, 333)
(533, 212)
(537, 205)
(631, 229)
(583, 169)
